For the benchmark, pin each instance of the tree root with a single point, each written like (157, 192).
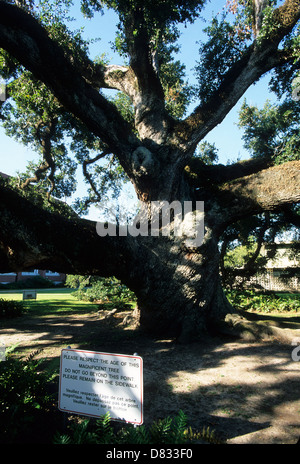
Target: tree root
(254, 327)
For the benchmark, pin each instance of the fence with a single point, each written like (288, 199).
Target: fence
(275, 281)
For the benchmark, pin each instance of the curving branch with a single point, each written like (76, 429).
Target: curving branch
(250, 267)
(44, 137)
(87, 174)
(151, 117)
(23, 37)
(69, 245)
(268, 190)
(200, 174)
(260, 57)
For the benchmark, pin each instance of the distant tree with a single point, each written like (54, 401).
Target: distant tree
(270, 133)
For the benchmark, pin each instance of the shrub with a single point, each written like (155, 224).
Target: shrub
(28, 415)
(248, 300)
(10, 308)
(104, 290)
(164, 431)
(31, 282)
(23, 395)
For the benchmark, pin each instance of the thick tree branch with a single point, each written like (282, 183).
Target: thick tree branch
(67, 245)
(112, 76)
(152, 120)
(140, 80)
(23, 37)
(268, 190)
(285, 18)
(200, 174)
(262, 56)
(238, 79)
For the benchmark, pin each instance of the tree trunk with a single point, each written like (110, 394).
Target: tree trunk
(178, 289)
(177, 285)
(176, 280)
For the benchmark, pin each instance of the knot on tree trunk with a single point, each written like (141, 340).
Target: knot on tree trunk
(143, 162)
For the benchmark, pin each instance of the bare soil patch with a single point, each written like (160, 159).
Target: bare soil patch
(246, 391)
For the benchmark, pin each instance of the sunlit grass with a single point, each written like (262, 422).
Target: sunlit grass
(51, 301)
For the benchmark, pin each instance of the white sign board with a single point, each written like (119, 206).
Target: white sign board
(93, 383)
(29, 295)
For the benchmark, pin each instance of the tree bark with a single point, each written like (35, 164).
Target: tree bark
(178, 290)
(177, 285)
(31, 236)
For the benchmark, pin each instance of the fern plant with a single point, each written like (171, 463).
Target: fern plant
(23, 394)
(80, 435)
(105, 431)
(164, 431)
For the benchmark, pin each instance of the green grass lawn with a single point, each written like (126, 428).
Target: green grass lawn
(50, 301)
(54, 292)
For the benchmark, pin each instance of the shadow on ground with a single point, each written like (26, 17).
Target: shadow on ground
(248, 392)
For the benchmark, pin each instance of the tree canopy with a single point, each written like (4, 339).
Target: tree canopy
(145, 134)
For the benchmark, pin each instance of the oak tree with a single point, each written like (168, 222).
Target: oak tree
(144, 136)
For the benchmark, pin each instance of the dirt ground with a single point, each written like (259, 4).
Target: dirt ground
(247, 391)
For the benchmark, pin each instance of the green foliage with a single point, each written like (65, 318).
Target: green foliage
(31, 282)
(23, 394)
(242, 245)
(273, 131)
(105, 290)
(178, 93)
(156, 13)
(225, 46)
(252, 301)
(10, 309)
(269, 25)
(33, 117)
(37, 196)
(164, 431)
(169, 431)
(124, 105)
(238, 256)
(80, 435)
(207, 152)
(281, 82)
(76, 281)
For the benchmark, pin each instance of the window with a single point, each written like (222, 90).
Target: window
(30, 272)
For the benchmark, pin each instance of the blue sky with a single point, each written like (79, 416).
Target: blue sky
(226, 136)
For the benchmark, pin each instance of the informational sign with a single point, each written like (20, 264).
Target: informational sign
(2, 351)
(29, 295)
(2, 90)
(93, 383)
